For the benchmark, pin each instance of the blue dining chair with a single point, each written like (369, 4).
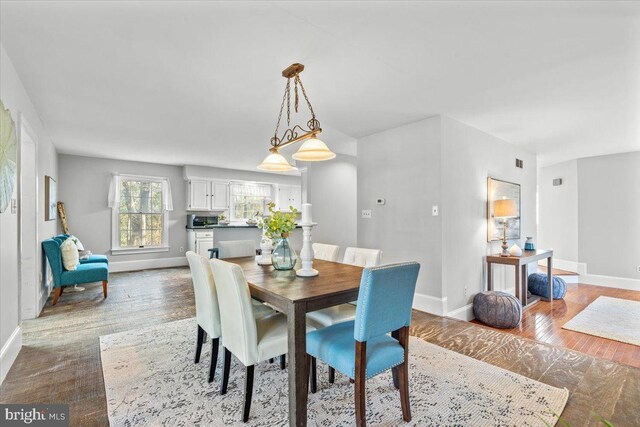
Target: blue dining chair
(362, 348)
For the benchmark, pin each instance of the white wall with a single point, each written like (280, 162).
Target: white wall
(609, 214)
(558, 210)
(469, 156)
(16, 99)
(332, 189)
(439, 162)
(403, 166)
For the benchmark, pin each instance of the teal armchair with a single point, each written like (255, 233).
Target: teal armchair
(85, 272)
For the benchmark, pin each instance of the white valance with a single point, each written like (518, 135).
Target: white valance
(249, 189)
(115, 187)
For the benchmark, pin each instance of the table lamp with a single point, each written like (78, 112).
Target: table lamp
(505, 209)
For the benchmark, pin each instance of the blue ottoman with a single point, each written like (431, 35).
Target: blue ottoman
(498, 309)
(538, 286)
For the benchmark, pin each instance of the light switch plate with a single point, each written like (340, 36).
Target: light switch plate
(435, 211)
(366, 213)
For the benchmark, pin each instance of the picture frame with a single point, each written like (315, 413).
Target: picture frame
(500, 189)
(50, 199)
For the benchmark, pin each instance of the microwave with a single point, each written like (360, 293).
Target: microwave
(201, 221)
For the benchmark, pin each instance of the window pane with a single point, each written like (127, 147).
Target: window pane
(141, 219)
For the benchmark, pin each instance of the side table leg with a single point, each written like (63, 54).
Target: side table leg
(518, 285)
(525, 286)
(550, 278)
(489, 277)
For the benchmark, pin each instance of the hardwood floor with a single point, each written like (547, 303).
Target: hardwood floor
(60, 360)
(543, 323)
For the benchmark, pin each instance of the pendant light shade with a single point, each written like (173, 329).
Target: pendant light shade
(275, 162)
(313, 150)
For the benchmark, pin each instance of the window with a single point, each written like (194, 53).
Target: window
(247, 200)
(140, 206)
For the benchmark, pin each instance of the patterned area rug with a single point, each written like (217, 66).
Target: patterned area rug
(151, 380)
(612, 318)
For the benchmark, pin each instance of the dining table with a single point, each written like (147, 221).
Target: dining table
(296, 296)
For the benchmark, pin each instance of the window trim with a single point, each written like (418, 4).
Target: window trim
(116, 249)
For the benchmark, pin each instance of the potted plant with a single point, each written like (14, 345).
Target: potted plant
(277, 227)
(222, 219)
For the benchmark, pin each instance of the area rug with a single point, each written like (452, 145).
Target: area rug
(612, 318)
(151, 380)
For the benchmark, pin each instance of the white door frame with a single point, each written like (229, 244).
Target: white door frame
(28, 308)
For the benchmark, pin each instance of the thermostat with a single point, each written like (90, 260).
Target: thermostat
(381, 201)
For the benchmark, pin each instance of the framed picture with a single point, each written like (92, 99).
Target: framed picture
(496, 190)
(50, 199)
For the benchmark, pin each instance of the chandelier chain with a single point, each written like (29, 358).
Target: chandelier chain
(306, 98)
(284, 97)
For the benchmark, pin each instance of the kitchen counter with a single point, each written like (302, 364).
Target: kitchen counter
(218, 226)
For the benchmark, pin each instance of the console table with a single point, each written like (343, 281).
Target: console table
(520, 263)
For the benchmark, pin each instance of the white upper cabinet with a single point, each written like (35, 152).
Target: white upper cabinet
(220, 196)
(207, 195)
(199, 195)
(289, 195)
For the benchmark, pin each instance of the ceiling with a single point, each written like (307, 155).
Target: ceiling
(199, 82)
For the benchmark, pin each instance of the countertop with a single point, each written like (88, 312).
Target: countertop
(229, 226)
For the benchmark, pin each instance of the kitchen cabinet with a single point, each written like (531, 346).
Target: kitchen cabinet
(200, 241)
(207, 195)
(289, 195)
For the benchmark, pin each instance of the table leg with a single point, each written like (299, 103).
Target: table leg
(525, 290)
(550, 278)
(518, 288)
(298, 369)
(489, 276)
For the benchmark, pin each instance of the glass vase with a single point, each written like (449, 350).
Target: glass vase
(283, 257)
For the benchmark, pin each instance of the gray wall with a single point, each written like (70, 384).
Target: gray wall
(332, 189)
(609, 214)
(403, 165)
(469, 156)
(558, 210)
(16, 99)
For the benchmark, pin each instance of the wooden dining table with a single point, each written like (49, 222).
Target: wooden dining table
(296, 296)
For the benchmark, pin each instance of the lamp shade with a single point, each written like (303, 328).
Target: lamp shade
(313, 150)
(505, 208)
(275, 162)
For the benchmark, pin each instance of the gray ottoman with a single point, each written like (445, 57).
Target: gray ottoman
(498, 309)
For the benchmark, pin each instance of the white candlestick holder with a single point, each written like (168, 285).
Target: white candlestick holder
(306, 256)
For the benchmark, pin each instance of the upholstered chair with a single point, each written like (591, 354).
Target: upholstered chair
(361, 349)
(84, 272)
(325, 252)
(236, 248)
(207, 308)
(362, 257)
(250, 338)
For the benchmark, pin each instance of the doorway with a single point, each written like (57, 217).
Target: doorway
(28, 223)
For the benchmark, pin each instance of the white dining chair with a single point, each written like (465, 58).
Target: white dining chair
(236, 248)
(208, 309)
(325, 252)
(250, 338)
(362, 257)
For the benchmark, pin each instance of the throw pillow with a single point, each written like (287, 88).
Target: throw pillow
(70, 259)
(77, 242)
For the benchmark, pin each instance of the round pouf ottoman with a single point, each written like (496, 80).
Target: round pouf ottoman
(537, 285)
(498, 309)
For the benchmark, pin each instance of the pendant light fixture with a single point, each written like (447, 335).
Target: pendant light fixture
(312, 149)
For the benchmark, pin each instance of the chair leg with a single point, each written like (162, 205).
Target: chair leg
(56, 295)
(394, 372)
(225, 371)
(332, 375)
(199, 341)
(360, 381)
(214, 358)
(283, 361)
(248, 391)
(104, 288)
(271, 360)
(403, 376)
(314, 378)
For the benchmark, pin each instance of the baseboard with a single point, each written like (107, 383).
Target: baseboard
(44, 296)
(563, 264)
(462, 313)
(429, 304)
(9, 352)
(145, 264)
(610, 281)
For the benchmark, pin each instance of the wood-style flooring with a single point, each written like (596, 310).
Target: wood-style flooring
(60, 360)
(543, 322)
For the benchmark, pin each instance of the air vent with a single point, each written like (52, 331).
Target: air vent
(557, 182)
